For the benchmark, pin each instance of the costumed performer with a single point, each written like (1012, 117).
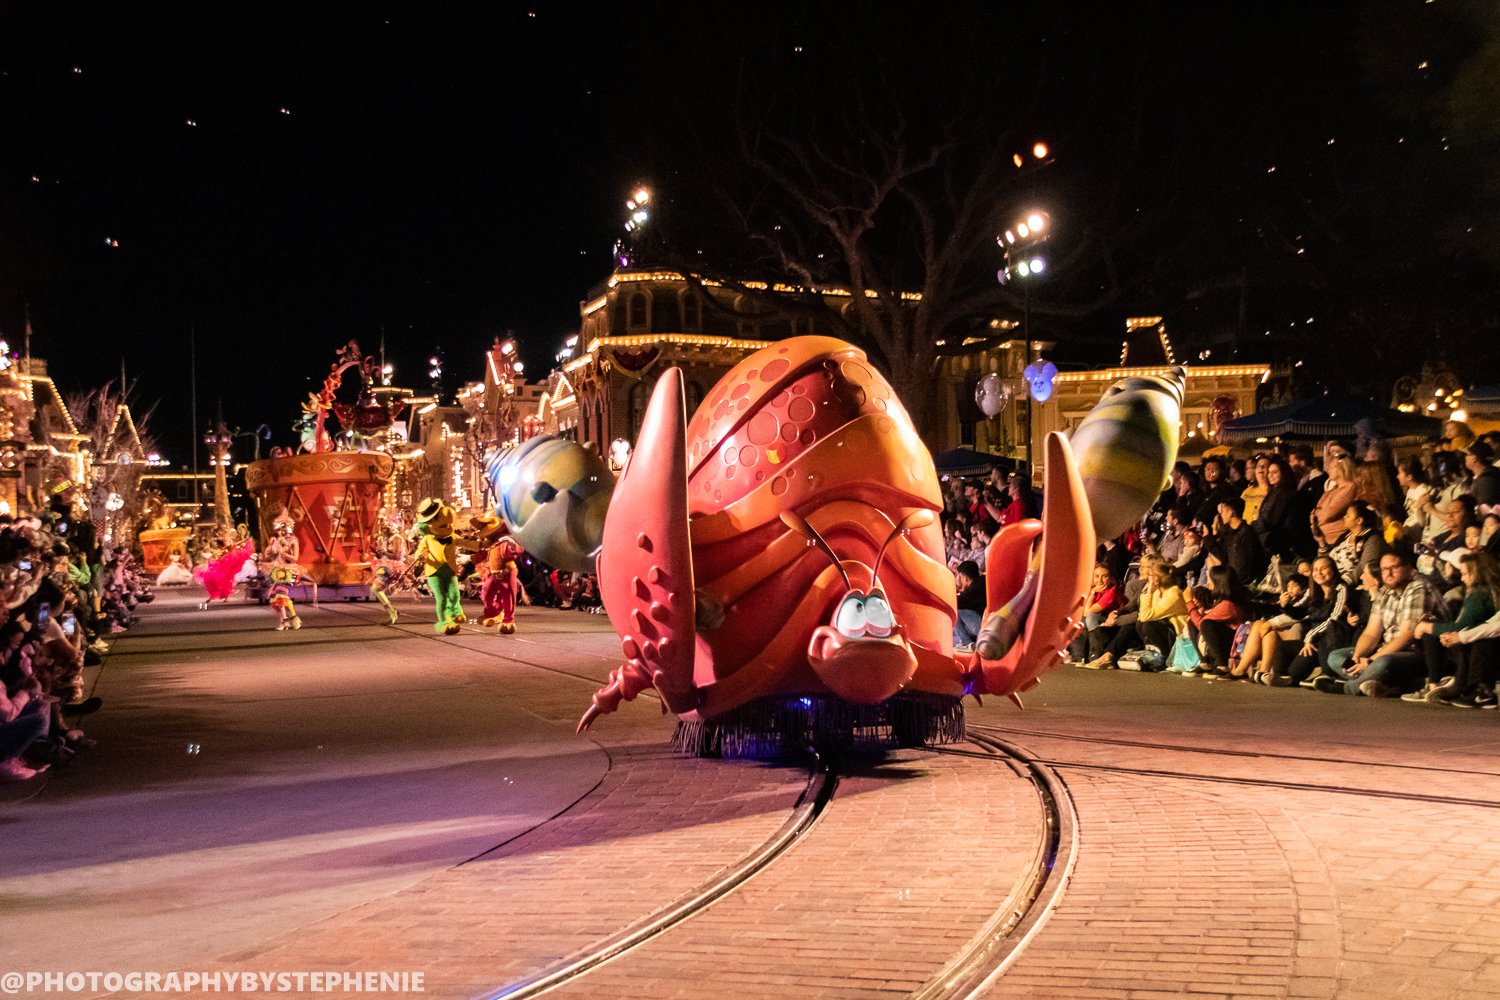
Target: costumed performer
(437, 554)
(285, 571)
(389, 568)
(175, 574)
(503, 584)
(217, 575)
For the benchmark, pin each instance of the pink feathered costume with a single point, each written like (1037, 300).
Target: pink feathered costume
(217, 575)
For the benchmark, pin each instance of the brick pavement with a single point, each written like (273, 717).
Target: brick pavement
(911, 858)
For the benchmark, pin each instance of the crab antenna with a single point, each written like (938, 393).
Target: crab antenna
(916, 519)
(801, 527)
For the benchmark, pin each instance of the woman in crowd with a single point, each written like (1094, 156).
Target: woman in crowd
(1362, 540)
(1278, 509)
(1255, 493)
(1214, 613)
(1417, 493)
(1022, 502)
(1450, 479)
(1328, 516)
(1160, 620)
(1325, 626)
(955, 542)
(1459, 516)
(1265, 637)
(1104, 599)
(1481, 582)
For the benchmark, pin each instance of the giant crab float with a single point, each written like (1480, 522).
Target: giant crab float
(775, 568)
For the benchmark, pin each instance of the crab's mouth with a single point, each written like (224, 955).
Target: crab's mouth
(863, 669)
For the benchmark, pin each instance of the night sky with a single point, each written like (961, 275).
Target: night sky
(281, 183)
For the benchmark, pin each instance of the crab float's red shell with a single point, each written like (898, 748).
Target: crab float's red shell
(734, 546)
(808, 426)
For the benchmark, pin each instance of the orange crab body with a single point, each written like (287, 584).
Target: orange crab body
(780, 557)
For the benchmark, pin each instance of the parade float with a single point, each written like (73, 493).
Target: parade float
(334, 488)
(774, 568)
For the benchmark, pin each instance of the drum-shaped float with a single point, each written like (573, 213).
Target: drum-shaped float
(334, 499)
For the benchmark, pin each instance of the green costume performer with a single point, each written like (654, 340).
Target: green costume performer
(438, 555)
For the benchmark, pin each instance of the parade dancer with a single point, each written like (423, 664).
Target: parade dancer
(285, 571)
(217, 575)
(437, 554)
(389, 568)
(503, 583)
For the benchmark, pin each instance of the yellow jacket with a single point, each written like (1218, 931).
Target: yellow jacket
(435, 553)
(1157, 605)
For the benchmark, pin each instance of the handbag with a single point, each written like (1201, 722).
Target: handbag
(1184, 655)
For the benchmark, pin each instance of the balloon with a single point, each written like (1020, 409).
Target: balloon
(992, 394)
(1039, 374)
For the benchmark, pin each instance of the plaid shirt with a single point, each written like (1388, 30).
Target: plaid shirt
(1403, 609)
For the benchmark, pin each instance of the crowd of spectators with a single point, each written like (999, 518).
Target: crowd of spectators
(65, 594)
(1339, 570)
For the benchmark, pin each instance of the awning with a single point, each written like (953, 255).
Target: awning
(1327, 416)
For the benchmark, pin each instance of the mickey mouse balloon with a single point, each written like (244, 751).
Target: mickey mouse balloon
(1039, 375)
(992, 394)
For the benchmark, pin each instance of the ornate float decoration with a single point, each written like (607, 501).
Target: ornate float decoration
(334, 491)
(775, 568)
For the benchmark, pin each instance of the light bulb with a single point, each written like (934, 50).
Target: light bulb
(1023, 231)
(1039, 151)
(1035, 222)
(1023, 269)
(1037, 264)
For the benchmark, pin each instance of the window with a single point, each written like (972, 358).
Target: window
(637, 310)
(689, 311)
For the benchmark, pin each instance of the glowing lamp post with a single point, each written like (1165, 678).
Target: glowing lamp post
(1021, 246)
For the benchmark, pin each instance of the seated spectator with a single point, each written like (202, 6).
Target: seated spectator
(980, 549)
(1475, 652)
(1276, 520)
(1361, 542)
(955, 542)
(1489, 535)
(1481, 581)
(1104, 599)
(971, 601)
(1479, 459)
(1254, 494)
(1459, 516)
(1338, 493)
(1234, 543)
(1417, 493)
(1114, 554)
(1216, 487)
(1265, 636)
(1385, 660)
(1214, 613)
(1161, 618)
(1326, 626)
(1189, 561)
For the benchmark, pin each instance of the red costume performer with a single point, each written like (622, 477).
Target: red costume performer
(504, 581)
(217, 575)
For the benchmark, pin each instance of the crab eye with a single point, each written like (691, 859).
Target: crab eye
(851, 617)
(878, 615)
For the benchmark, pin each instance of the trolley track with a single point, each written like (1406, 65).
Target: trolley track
(1300, 786)
(971, 971)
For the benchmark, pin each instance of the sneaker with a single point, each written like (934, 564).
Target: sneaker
(1279, 682)
(1460, 701)
(1375, 689)
(1429, 695)
(86, 707)
(1100, 664)
(1312, 679)
(1486, 699)
(1326, 684)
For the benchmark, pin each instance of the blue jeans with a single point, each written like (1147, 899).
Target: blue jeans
(1393, 669)
(966, 628)
(25, 729)
(1078, 649)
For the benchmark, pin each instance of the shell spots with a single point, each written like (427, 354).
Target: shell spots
(728, 474)
(750, 375)
(781, 400)
(643, 541)
(801, 410)
(778, 486)
(856, 372)
(774, 370)
(659, 611)
(808, 436)
(740, 390)
(748, 455)
(762, 429)
(656, 575)
(859, 441)
(629, 648)
(721, 409)
(641, 590)
(789, 432)
(782, 351)
(885, 425)
(742, 404)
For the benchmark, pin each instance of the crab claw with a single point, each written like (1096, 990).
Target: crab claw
(645, 563)
(1052, 593)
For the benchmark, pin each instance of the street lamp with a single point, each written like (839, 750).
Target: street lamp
(1021, 245)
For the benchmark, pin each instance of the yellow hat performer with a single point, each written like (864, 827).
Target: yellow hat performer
(437, 554)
